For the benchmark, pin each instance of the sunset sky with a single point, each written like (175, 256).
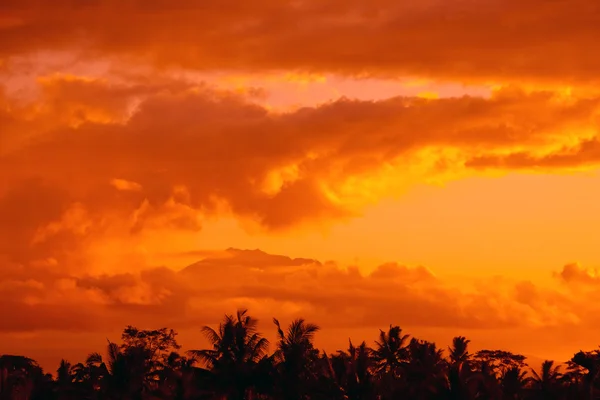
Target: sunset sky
(433, 164)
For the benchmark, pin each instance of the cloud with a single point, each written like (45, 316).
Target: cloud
(248, 259)
(26, 206)
(89, 156)
(207, 149)
(41, 299)
(585, 154)
(123, 184)
(576, 274)
(393, 270)
(45, 301)
(332, 295)
(96, 182)
(491, 40)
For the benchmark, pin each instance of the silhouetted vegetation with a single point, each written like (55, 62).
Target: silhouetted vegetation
(239, 366)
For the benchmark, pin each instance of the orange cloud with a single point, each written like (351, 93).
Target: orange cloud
(584, 154)
(576, 274)
(272, 285)
(507, 40)
(123, 184)
(42, 299)
(173, 152)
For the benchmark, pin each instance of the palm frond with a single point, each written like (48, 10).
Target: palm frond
(213, 336)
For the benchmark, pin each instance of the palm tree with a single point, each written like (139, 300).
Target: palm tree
(459, 351)
(389, 354)
(513, 382)
(589, 361)
(331, 377)
(296, 358)
(546, 384)
(177, 381)
(351, 372)
(64, 380)
(128, 372)
(424, 372)
(390, 350)
(573, 381)
(459, 371)
(236, 353)
(90, 378)
(361, 386)
(238, 367)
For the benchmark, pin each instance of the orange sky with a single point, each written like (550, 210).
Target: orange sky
(432, 164)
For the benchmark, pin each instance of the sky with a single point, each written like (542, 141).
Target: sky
(431, 164)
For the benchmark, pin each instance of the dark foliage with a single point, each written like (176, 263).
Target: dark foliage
(238, 366)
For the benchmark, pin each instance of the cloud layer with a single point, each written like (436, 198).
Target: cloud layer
(89, 156)
(514, 40)
(335, 296)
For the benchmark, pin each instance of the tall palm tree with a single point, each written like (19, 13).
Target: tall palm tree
(424, 372)
(331, 377)
(573, 381)
(589, 361)
(546, 384)
(64, 380)
(296, 357)
(351, 371)
(459, 351)
(389, 355)
(90, 379)
(513, 382)
(127, 372)
(235, 356)
(390, 350)
(459, 370)
(178, 380)
(361, 386)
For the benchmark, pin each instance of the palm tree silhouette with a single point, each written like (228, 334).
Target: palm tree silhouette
(459, 351)
(351, 371)
(513, 383)
(235, 356)
(573, 381)
(547, 383)
(91, 377)
(177, 379)
(128, 371)
(64, 381)
(237, 366)
(296, 358)
(390, 351)
(589, 361)
(389, 354)
(424, 372)
(459, 369)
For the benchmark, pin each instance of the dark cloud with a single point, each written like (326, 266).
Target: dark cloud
(532, 40)
(248, 259)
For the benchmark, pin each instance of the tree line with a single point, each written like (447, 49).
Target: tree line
(147, 365)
